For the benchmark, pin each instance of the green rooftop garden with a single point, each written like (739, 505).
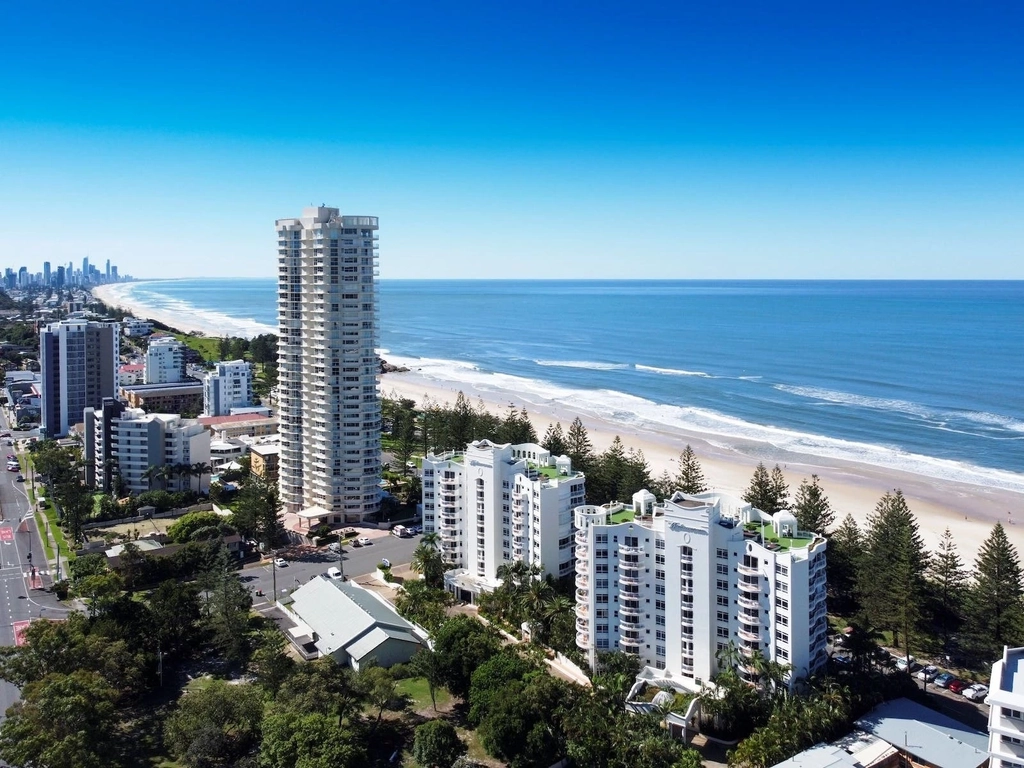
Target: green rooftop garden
(622, 516)
(784, 542)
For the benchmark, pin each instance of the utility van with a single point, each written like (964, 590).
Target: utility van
(400, 531)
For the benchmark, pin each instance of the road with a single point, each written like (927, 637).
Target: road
(358, 561)
(20, 546)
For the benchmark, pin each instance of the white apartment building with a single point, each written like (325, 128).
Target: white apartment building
(1006, 710)
(493, 504)
(678, 581)
(165, 361)
(227, 386)
(133, 326)
(329, 406)
(78, 362)
(130, 441)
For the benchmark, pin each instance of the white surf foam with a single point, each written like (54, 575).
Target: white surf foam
(641, 413)
(594, 366)
(672, 371)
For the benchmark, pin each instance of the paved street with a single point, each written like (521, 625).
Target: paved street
(358, 561)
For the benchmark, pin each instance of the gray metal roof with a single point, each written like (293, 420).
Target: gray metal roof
(821, 756)
(926, 734)
(347, 616)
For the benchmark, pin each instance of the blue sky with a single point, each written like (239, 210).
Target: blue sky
(749, 140)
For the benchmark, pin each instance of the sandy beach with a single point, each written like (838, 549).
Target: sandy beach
(969, 511)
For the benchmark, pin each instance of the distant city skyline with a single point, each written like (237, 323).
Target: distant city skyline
(606, 141)
(60, 275)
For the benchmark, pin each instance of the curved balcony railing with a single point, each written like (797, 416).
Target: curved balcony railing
(746, 602)
(624, 550)
(581, 536)
(749, 586)
(582, 552)
(630, 577)
(750, 637)
(747, 570)
(751, 621)
(582, 624)
(582, 595)
(582, 609)
(582, 567)
(625, 610)
(685, 558)
(583, 640)
(631, 642)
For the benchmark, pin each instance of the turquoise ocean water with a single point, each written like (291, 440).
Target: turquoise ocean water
(922, 376)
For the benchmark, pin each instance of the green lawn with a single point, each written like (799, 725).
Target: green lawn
(208, 347)
(622, 517)
(416, 688)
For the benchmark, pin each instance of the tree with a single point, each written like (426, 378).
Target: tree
(404, 434)
(578, 447)
(257, 512)
(995, 597)
(379, 688)
(183, 528)
(436, 744)
(426, 664)
(462, 644)
(890, 581)
(309, 740)
(491, 680)
(216, 724)
(760, 494)
(423, 604)
(845, 548)
(427, 561)
(554, 440)
(948, 583)
(227, 612)
(62, 721)
(691, 477)
(812, 508)
(321, 686)
(780, 490)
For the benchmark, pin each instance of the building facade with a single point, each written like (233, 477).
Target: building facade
(329, 407)
(227, 386)
(1006, 710)
(495, 504)
(186, 397)
(78, 361)
(165, 361)
(130, 441)
(264, 462)
(679, 582)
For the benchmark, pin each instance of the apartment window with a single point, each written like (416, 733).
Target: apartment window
(601, 568)
(722, 569)
(630, 541)
(659, 621)
(601, 598)
(722, 554)
(782, 621)
(722, 631)
(782, 586)
(601, 584)
(1016, 714)
(659, 589)
(659, 650)
(780, 603)
(1011, 739)
(782, 570)
(783, 654)
(723, 616)
(659, 605)
(722, 600)
(659, 634)
(602, 642)
(601, 554)
(659, 574)
(602, 629)
(782, 637)
(722, 585)
(601, 538)
(659, 559)
(601, 613)
(721, 646)
(659, 543)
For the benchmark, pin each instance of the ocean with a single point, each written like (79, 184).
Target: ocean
(926, 377)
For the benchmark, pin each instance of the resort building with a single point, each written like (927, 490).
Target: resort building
(328, 326)
(78, 360)
(133, 326)
(165, 361)
(131, 374)
(228, 386)
(185, 397)
(677, 582)
(130, 441)
(1006, 710)
(494, 504)
(240, 425)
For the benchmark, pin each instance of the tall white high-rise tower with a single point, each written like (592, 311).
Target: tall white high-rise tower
(328, 368)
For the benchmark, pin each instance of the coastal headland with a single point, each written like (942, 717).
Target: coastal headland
(968, 510)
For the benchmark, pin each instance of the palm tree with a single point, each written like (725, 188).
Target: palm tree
(198, 470)
(153, 472)
(426, 560)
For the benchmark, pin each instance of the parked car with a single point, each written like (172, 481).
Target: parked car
(976, 692)
(929, 673)
(11, 457)
(334, 547)
(416, 530)
(385, 562)
(957, 686)
(903, 663)
(20, 479)
(363, 541)
(13, 468)
(334, 573)
(943, 680)
(280, 562)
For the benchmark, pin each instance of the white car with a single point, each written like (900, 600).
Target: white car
(364, 541)
(280, 562)
(902, 663)
(929, 673)
(976, 692)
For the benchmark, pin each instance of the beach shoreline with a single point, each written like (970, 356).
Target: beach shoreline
(968, 510)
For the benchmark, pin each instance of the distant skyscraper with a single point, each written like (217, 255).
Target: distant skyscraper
(78, 359)
(113, 274)
(108, 270)
(46, 273)
(23, 277)
(60, 277)
(329, 406)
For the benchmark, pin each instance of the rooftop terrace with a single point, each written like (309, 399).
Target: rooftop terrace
(766, 533)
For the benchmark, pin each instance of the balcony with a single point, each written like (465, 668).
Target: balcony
(750, 637)
(625, 610)
(583, 640)
(752, 586)
(629, 642)
(746, 602)
(582, 624)
(747, 570)
(582, 553)
(630, 577)
(624, 550)
(582, 580)
(581, 537)
(686, 664)
(751, 620)
(685, 558)
(582, 609)
(582, 595)
(582, 568)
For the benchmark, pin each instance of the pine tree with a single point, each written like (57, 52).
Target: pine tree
(890, 580)
(845, 547)
(636, 474)
(996, 610)
(812, 508)
(780, 491)
(554, 439)
(691, 477)
(605, 478)
(948, 579)
(526, 432)
(760, 494)
(578, 446)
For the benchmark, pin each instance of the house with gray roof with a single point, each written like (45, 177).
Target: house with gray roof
(353, 625)
(925, 737)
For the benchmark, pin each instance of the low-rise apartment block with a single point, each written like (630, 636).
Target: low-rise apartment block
(677, 582)
(165, 361)
(494, 504)
(1006, 710)
(263, 461)
(185, 397)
